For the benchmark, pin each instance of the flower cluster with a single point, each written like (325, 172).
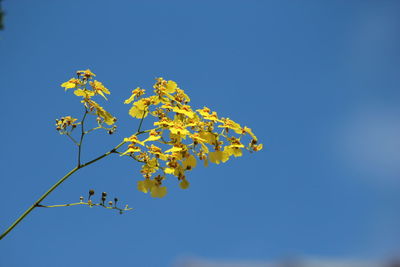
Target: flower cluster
(181, 137)
(80, 84)
(64, 122)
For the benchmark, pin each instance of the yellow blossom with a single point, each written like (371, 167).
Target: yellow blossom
(218, 156)
(72, 83)
(189, 163)
(102, 113)
(86, 94)
(99, 88)
(184, 109)
(153, 136)
(134, 140)
(146, 185)
(158, 191)
(184, 184)
(230, 124)
(64, 122)
(85, 73)
(131, 149)
(135, 94)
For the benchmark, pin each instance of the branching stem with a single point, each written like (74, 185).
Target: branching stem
(59, 182)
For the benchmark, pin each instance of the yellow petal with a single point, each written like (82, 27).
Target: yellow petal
(218, 156)
(158, 191)
(145, 186)
(130, 99)
(131, 150)
(184, 184)
(169, 170)
(108, 118)
(209, 137)
(137, 113)
(189, 162)
(152, 138)
(215, 157)
(171, 87)
(174, 149)
(84, 93)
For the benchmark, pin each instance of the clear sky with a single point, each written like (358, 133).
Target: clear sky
(317, 81)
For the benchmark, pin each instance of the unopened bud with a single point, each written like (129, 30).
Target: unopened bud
(110, 203)
(91, 193)
(81, 198)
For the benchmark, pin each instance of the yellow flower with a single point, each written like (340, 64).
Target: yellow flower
(184, 184)
(102, 113)
(171, 87)
(158, 191)
(134, 140)
(86, 94)
(205, 111)
(210, 137)
(146, 185)
(150, 167)
(72, 83)
(64, 122)
(248, 130)
(140, 108)
(153, 186)
(234, 148)
(257, 147)
(153, 136)
(135, 94)
(175, 148)
(189, 163)
(179, 129)
(131, 149)
(218, 156)
(230, 124)
(163, 87)
(99, 88)
(184, 109)
(157, 151)
(87, 74)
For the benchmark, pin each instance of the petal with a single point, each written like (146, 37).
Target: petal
(158, 191)
(184, 184)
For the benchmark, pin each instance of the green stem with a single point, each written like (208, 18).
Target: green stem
(82, 135)
(141, 121)
(37, 202)
(58, 183)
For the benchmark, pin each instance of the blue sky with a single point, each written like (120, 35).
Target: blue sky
(317, 81)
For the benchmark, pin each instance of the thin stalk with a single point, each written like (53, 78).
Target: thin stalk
(72, 139)
(38, 201)
(81, 139)
(58, 183)
(141, 121)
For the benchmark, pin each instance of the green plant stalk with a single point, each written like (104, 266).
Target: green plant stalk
(58, 183)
